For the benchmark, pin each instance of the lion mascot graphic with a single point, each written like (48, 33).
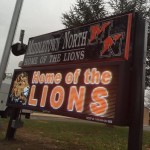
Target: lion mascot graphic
(20, 89)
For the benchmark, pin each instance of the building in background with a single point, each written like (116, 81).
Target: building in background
(146, 118)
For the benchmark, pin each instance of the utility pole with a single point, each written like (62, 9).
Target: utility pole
(10, 37)
(4, 61)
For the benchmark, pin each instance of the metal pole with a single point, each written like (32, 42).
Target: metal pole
(138, 85)
(10, 38)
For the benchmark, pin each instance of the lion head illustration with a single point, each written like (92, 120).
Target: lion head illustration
(20, 88)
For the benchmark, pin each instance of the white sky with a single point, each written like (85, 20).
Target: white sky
(37, 17)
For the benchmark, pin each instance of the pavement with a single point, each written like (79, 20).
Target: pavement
(47, 115)
(146, 128)
(51, 117)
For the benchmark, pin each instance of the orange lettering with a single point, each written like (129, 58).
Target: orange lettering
(42, 78)
(35, 77)
(58, 78)
(87, 75)
(106, 77)
(76, 76)
(49, 78)
(32, 101)
(69, 78)
(76, 99)
(95, 76)
(44, 96)
(57, 103)
(99, 105)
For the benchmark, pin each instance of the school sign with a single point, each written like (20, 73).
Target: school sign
(98, 41)
(82, 72)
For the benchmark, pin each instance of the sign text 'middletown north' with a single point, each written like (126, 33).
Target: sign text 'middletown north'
(95, 41)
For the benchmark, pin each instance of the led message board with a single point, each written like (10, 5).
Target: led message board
(107, 39)
(89, 91)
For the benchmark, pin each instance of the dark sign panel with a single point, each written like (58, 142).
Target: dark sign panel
(108, 39)
(94, 92)
(86, 73)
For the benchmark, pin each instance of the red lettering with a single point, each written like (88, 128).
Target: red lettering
(109, 41)
(96, 30)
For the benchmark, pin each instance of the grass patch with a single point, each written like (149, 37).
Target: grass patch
(87, 135)
(51, 135)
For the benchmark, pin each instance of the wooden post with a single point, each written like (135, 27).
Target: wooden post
(137, 85)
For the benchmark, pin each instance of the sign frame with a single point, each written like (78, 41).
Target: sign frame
(137, 84)
(88, 52)
(135, 72)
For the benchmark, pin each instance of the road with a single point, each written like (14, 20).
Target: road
(51, 117)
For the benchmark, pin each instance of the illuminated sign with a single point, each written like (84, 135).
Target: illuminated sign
(107, 39)
(86, 72)
(88, 91)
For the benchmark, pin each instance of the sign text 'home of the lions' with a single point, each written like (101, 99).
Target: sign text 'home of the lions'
(91, 92)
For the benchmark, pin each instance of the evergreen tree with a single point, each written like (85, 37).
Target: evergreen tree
(121, 6)
(84, 11)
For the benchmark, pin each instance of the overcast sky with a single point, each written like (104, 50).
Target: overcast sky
(37, 17)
